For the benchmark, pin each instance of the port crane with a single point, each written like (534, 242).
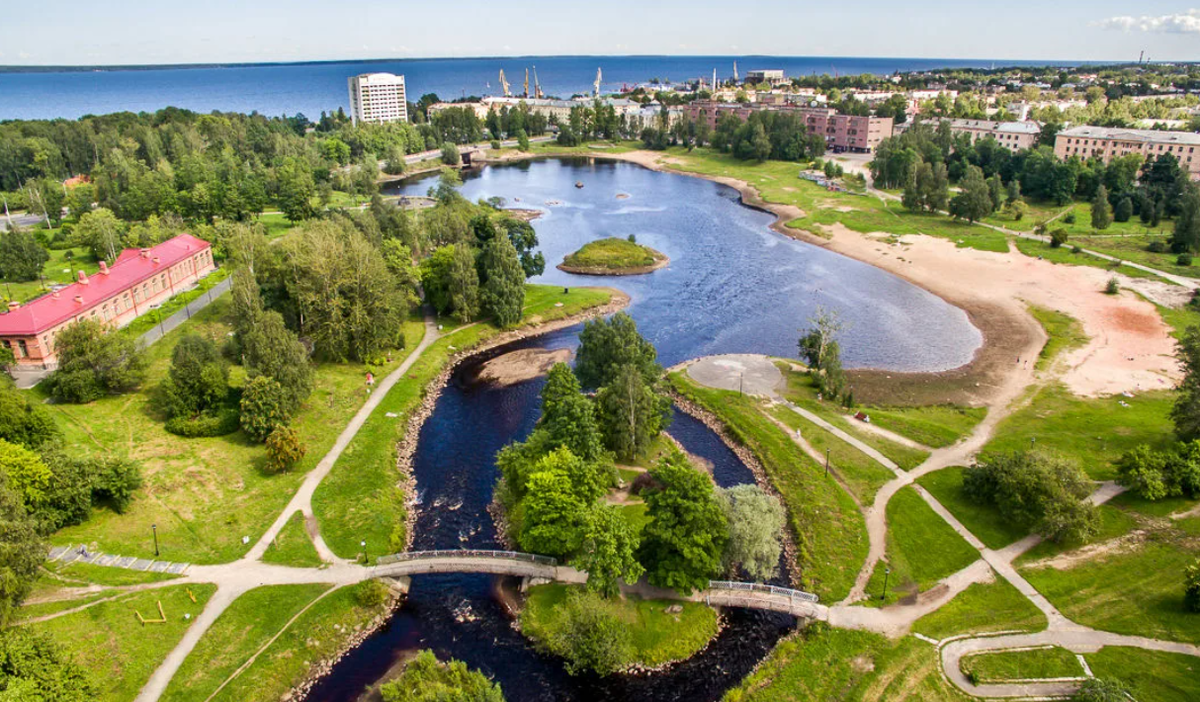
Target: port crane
(526, 93)
(596, 85)
(504, 83)
(537, 87)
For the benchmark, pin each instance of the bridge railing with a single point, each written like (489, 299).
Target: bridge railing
(766, 589)
(466, 553)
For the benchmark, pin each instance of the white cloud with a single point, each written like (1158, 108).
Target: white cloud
(1181, 23)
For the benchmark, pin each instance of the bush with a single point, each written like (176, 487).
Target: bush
(589, 636)
(115, 480)
(1157, 246)
(23, 423)
(1069, 218)
(1183, 259)
(34, 667)
(93, 362)
(1038, 491)
(371, 593)
(424, 679)
(1058, 237)
(450, 155)
(1076, 250)
(1100, 690)
(495, 144)
(1113, 286)
(284, 449)
(210, 424)
(263, 407)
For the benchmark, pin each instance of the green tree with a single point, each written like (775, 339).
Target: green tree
(569, 417)
(631, 412)
(270, 349)
(1123, 211)
(26, 473)
(522, 140)
(101, 232)
(425, 679)
(394, 161)
(1042, 492)
(46, 196)
(1186, 411)
(1191, 587)
(756, 522)
(605, 345)
(974, 202)
(589, 636)
(92, 363)
(609, 551)
(551, 524)
(284, 449)
(198, 380)
(35, 668)
(502, 295)
(1100, 689)
(820, 348)
(1142, 470)
(685, 539)
(450, 155)
(1102, 215)
(1186, 236)
(22, 422)
(21, 257)
(295, 188)
(463, 282)
(23, 550)
(264, 407)
(996, 191)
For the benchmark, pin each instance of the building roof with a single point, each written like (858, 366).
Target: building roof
(1032, 128)
(1153, 136)
(128, 270)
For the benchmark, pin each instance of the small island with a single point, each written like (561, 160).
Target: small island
(614, 256)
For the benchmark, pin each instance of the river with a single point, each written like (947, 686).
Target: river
(733, 286)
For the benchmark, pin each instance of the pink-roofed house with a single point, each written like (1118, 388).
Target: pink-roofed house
(116, 295)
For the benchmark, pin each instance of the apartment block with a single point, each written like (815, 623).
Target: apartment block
(841, 132)
(1107, 143)
(1014, 136)
(377, 98)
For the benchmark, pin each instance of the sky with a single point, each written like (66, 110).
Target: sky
(113, 32)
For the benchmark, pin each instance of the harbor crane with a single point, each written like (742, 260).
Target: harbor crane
(504, 84)
(537, 87)
(526, 93)
(596, 85)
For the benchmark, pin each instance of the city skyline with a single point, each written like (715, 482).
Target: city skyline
(272, 31)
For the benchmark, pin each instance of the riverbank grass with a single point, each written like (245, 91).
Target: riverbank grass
(1063, 333)
(1027, 664)
(659, 637)
(361, 499)
(982, 608)
(293, 547)
(238, 634)
(935, 426)
(120, 654)
(613, 256)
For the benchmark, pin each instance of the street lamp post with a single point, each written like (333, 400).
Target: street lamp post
(886, 572)
(154, 528)
(363, 544)
(827, 463)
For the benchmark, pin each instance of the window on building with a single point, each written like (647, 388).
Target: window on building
(24, 348)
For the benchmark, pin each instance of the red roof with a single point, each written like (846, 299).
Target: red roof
(127, 271)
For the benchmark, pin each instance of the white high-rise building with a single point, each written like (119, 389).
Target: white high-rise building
(377, 98)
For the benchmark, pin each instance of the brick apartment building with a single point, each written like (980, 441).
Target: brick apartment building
(842, 132)
(1014, 136)
(1107, 143)
(116, 295)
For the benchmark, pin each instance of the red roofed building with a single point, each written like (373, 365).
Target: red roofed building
(116, 295)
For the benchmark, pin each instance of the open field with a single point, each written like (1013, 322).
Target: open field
(862, 474)
(983, 608)
(1149, 675)
(935, 426)
(61, 268)
(658, 637)
(1029, 664)
(984, 521)
(119, 653)
(292, 547)
(830, 532)
(237, 634)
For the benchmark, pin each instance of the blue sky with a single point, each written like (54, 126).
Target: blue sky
(170, 31)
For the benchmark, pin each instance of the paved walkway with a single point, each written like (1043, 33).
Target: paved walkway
(80, 554)
(167, 325)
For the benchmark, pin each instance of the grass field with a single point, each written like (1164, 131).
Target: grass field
(612, 254)
(1114, 522)
(1063, 332)
(921, 549)
(935, 426)
(1136, 591)
(982, 608)
(119, 653)
(658, 637)
(830, 532)
(861, 473)
(62, 267)
(1149, 675)
(1064, 255)
(237, 634)
(984, 521)
(204, 494)
(822, 663)
(1093, 431)
(152, 318)
(316, 635)
(1029, 664)
(360, 499)
(292, 547)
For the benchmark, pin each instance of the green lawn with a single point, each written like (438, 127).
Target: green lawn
(204, 494)
(62, 267)
(292, 547)
(861, 473)
(317, 635)
(119, 653)
(821, 663)
(982, 608)
(636, 515)
(237, 634)
(1149, 675)
(830, 533)
(935, 426)
(1063, 332)
(1063, 254)
(658, 637)
(1030, 664)
(104, 575)
(360, 499)
(1096, 432)
(42, 609)
(921, 549)
(151, 318)
(612, 254)
(984, 521)
(1114, 522)
(1137, 592)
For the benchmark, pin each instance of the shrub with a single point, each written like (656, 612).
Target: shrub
(1038, 491)
(23, 423)
(450, 155)
(1183, 259)
(218, 424)
(424, 679)
(92, 363)
(371, 593)
(115, 480)
(284, 449)
(33, 666)
(1157, 246)
(1069, 218)
(1076, 250)
(263, 407)
(1100, 690)
(590, 636)
(495, 144)
(1113, 286)
(1058, 237)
